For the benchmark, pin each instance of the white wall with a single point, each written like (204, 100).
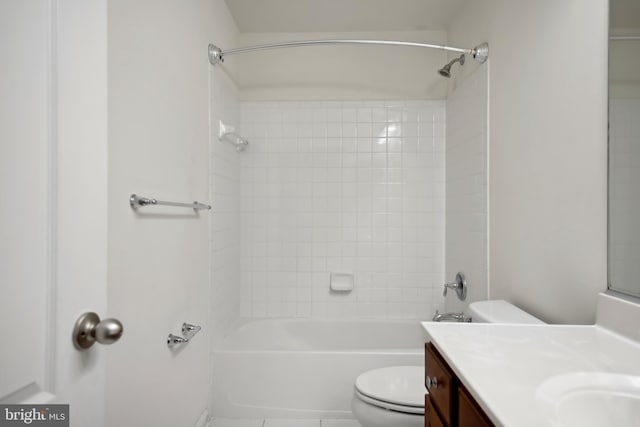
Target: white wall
(159, 258)
(547, 151)
(344, 72)
(342, 187)
(466, 188)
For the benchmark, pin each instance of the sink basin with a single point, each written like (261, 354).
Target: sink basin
(585, 399)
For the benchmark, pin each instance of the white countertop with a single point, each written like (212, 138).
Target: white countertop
(502, 365)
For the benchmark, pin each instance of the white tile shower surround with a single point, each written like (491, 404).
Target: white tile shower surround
(343, 187)
(284, 423)
(225, 199)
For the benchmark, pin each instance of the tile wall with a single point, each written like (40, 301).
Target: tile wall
(341, 187)
(225, 199)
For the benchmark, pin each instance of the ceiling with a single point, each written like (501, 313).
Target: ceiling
(284, 16)
(298, 16)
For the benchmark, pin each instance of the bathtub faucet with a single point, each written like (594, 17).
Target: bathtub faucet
(457, 317)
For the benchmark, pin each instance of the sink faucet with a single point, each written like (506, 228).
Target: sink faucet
(443, 317)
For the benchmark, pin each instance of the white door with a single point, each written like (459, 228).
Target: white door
(53, 174)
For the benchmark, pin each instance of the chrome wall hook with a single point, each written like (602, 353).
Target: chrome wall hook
(89, 329)
(174, 339)
(188, 330)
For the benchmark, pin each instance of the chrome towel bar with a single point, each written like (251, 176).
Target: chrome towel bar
(138, 201)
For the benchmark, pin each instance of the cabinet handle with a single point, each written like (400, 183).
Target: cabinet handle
(431, 382)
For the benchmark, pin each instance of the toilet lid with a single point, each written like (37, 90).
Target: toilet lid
(397, 385)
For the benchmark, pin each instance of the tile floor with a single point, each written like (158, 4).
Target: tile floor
(226, 422)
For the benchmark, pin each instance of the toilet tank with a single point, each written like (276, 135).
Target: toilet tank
(499, 311)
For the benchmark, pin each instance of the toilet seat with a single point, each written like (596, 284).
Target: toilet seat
(397, 388)
(411, 410)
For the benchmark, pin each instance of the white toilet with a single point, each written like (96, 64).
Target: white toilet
(394, 396)
(499, 311)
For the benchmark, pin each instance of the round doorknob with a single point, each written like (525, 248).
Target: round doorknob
(89, 329)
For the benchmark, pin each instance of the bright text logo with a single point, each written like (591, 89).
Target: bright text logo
(36, 415)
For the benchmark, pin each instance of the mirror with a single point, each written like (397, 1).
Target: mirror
(624, 147)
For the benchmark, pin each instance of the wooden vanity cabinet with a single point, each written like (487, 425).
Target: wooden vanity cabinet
(443, 396)
(448, 403)
(431, 417)
(469, 413)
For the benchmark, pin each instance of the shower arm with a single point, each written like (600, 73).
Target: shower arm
(216, 55)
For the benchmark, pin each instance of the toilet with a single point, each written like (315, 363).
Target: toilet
(394, 396)
(499, 311)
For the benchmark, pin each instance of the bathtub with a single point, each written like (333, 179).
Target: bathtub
(301, 368)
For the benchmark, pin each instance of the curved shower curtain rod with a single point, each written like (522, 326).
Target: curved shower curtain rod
(216, 55)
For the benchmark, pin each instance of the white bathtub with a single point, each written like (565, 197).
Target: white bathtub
(299, 368)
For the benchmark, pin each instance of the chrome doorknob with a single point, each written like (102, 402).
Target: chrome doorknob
(89, 329)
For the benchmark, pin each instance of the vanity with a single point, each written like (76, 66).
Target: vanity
(482, 374)
(448, 402)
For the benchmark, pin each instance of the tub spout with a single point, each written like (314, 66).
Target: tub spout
(450, 317)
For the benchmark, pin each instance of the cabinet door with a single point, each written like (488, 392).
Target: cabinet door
(443, 390)
(431, 417)
(470, 414)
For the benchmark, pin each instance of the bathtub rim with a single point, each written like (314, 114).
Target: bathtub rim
(223, 344)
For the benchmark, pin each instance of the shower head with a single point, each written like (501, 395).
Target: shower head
(446, 70)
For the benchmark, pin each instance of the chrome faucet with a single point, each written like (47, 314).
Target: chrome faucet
(444, 317)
